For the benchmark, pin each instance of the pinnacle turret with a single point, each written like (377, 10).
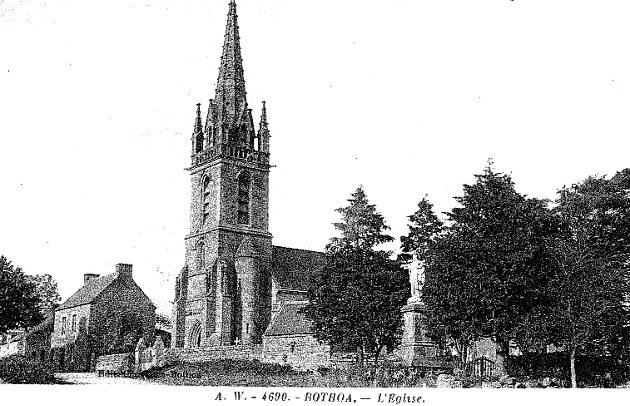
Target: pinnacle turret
(198, 131)
(198, 126)
(263, 130)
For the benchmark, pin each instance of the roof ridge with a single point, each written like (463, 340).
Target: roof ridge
(298, 249)
(89, 291)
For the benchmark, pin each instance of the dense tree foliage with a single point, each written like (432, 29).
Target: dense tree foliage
(356, 300)
(47, 291)
(538, 272)
(424, 227)
(19, 302)
(588, 288)
(485, 267)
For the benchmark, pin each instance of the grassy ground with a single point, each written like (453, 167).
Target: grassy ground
(254, 373)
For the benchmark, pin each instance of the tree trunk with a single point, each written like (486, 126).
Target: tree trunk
(361, 356)
(573, 375)
(463, 354)
(376, 354)
(375, 366)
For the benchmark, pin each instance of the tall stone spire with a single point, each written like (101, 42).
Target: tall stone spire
(229, 130)
(230, 96)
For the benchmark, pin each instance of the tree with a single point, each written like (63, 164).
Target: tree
(424, 228)
(47, 291)
(163, 319)
(355, 301)
(19, 303)
(589, 285)
(486, 268)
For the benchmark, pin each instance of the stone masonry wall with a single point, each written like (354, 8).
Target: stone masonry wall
(240, 352)
(123, 299)
(117, 363)
(61, 337)
(299, 351)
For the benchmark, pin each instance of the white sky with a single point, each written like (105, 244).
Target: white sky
(410, 97)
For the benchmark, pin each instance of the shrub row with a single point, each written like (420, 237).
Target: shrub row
(598, 371)
(17, 369)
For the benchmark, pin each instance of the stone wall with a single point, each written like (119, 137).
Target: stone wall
(239, 352)
(119, 364)
(299, 351)
(12, 348)
(123, 302)
(62, 337)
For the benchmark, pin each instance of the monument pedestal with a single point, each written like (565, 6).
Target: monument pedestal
(416, 349)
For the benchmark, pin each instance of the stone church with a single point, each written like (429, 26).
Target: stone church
(233, 275)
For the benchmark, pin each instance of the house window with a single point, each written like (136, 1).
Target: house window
(63, 325)
(244, 182)
(74, 323)
(206, 199)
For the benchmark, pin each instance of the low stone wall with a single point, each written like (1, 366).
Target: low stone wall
(117, 364)
(240, 352)
(300, 351)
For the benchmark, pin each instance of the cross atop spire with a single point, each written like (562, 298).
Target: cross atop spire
(230, 92)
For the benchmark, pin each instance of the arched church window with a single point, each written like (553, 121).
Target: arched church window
(195, 335)
(244, 181)
(206, 198)
(210, 276)
(201, 254)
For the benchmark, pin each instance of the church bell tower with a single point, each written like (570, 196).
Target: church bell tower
(223, 293)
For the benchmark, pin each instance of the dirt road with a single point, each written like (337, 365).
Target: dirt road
(91, 379)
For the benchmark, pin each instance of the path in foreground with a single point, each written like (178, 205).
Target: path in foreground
(89, 378)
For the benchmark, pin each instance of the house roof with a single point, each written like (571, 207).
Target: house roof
(88, 292)
(48, 323)
(295, 269)
(290, 321)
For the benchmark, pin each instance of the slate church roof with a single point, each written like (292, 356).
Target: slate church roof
(295, 269)
(88, 292)
(290, 321)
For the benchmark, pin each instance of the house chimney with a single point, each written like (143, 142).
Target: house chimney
(124, 271)
(88, 276)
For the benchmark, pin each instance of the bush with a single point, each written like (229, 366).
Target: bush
(591, 370)
(18, 369)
